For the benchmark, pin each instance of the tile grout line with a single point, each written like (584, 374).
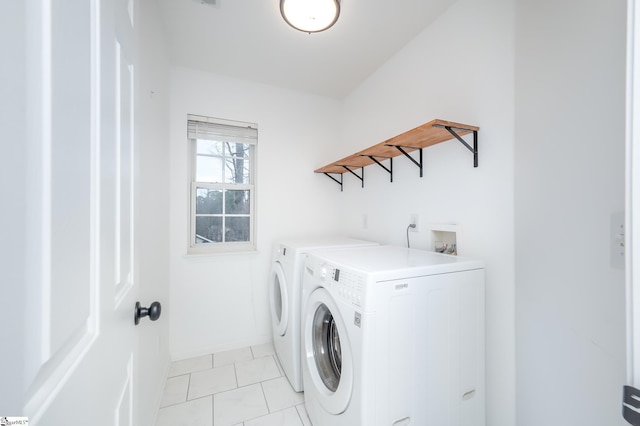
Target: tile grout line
(235, 374)
(265, 397)
(299, 416)
(265, 403)
(188, 387)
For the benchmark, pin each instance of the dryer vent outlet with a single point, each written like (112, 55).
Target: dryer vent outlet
(446, 238)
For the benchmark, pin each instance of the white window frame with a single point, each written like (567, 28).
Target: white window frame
(221, 247)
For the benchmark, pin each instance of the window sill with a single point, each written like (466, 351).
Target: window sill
(208, 251)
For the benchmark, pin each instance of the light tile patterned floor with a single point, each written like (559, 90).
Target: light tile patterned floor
(244, 387)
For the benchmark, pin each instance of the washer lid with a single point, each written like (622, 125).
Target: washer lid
(278, 299)
(390, 262)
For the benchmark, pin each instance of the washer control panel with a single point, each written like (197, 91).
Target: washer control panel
(349, 286)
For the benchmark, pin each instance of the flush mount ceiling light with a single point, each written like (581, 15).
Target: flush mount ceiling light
(310, 16)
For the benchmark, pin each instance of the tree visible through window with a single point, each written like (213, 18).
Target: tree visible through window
(222, 190)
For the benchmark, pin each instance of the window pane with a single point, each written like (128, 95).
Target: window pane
(208, 230)
(209, 169)
(237, 170)
(208, 201)
(237, 162)
(237, 229)
(237, 201)
(210, 147)
(237, 149)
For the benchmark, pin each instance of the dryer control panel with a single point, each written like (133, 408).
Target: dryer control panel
(349, 286)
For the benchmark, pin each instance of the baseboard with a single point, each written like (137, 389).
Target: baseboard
(205, 350)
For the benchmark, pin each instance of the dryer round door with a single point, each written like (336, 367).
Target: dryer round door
(279, 299)
(328, 352)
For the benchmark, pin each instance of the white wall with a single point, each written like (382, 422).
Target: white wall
(461, 69)
(220, 302)
(152, 203)
(545, 83)
(569, 180)
(13, 178)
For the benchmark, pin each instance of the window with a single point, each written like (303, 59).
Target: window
(222, 184)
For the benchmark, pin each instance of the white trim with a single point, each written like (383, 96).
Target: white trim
(130, 11)
(221, 247)
(132, 176)
(96, 166)
(212, 120)
(628, 183)
(45, 182)
(123, 284)
(632, 194)
(118, 167)
(126, 394)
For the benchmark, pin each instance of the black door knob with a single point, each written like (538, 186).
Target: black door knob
(153, 312)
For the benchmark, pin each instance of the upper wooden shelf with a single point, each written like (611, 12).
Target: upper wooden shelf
(423, 136)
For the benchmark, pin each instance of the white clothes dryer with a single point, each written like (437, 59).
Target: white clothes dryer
(285, 282)
(393, 336)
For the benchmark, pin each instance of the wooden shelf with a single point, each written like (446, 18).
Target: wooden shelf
(428, 134)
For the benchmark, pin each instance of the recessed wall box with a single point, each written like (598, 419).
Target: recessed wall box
(445, 238)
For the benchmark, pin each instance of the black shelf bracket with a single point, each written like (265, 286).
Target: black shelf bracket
(417, 163)
(339, 182)
(388, 170)
(355, 174)
(474, 149)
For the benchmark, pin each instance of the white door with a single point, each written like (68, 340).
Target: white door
(80, 284)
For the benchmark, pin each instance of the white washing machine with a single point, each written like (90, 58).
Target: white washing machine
(393, 336)
(285, 282)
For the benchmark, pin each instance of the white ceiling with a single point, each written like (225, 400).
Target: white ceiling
(248, 39)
